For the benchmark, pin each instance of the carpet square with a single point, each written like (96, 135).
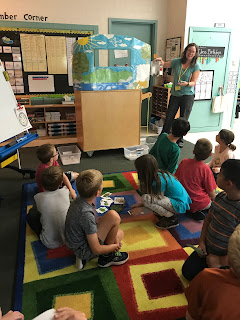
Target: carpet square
(108, 184)
(130, 200)
(119, 181)
(162, 283)
(98, 288)
(143, 302)
(82, 301)
(46, 265)
(188, 231)
(193, 226)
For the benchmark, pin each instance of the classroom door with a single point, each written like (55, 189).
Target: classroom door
(144, 30)
(202, 119)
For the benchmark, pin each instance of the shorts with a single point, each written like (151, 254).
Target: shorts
(85, 253)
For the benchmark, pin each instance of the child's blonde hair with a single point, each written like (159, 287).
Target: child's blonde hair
(234, 251)
(51, 178)
(45, 152)
(227, 137)
(89, 182)
(202, 149)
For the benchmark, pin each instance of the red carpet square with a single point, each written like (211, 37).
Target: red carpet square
(163, 283)
(59, 253)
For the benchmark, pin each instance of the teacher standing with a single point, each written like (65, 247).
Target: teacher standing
(186, 71)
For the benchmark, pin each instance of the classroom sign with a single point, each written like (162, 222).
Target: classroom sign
(87, 77)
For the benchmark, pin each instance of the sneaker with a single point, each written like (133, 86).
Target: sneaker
(197, 216)
(112, 259)
(167, 223)
(180, 143)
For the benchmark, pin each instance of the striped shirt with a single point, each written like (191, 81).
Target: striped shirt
(225, 217)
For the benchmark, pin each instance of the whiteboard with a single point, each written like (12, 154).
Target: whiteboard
(12, 121)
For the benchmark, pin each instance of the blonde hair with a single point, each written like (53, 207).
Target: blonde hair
(234, 251)
(89, 182)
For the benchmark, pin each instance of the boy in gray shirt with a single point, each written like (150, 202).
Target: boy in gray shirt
(48, 215)
(83, 235)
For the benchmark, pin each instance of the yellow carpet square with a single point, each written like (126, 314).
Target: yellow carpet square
(140, 235)
(135, 177)
(81, 302)
(108, 184)
(143, 301)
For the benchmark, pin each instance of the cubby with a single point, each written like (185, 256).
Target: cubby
(160, 100)
(54, 122)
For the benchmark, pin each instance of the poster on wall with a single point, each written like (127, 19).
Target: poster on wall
(204, 84)
(173, 48)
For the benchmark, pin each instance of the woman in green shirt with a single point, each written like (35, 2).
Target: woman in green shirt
(186, 71)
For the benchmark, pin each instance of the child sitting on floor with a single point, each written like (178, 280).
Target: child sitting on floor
(215, 293)
(48, 155)
(197, 179)
(219, 224)
(165, 150)
(162, 192)
(223, 151)
(47, 217)
(87, 238)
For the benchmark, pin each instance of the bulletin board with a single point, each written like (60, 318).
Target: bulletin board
(173, 48)
(204, 84)
(38, 56)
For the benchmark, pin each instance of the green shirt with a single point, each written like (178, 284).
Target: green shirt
(166, 153)
(176, 65)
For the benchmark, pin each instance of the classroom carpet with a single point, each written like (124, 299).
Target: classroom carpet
(149, 285)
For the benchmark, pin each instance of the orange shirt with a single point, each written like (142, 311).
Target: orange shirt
(214, 294)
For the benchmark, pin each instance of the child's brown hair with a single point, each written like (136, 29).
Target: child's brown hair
(89, 182)
(45, 152)
(202, 149)
(51, 178)
(227, 137)
(147, 169)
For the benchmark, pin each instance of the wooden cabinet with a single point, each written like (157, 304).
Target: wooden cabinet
(55, 123)
(108, 119)
(160, 100)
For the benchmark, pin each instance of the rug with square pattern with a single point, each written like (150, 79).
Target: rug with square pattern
(149, 286)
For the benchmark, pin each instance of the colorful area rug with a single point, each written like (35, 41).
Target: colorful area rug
(149, 286)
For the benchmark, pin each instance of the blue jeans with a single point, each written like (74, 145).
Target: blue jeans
(185, 103)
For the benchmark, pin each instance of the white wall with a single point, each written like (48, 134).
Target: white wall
(93, 12)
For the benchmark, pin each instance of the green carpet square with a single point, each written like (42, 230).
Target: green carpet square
(107, 301)
(120, 182)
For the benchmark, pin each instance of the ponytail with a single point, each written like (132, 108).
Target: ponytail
(232, 147)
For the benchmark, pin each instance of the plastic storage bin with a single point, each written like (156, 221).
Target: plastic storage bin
(69, 154)
(132, 153)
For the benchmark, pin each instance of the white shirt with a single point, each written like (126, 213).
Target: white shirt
(53, 207)
(219, 157)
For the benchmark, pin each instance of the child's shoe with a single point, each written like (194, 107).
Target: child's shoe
(72, 176)
(167, 223)
(112, 259)
(197, 216)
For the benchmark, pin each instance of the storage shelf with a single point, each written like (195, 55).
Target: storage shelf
(43, 108)
(36, 106)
